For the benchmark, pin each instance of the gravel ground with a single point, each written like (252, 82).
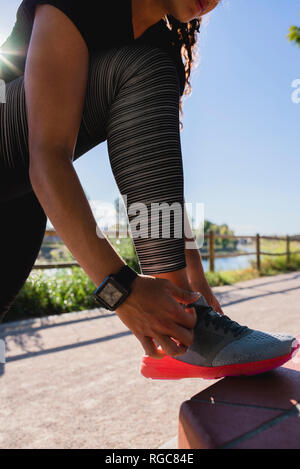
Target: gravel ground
(72, 381)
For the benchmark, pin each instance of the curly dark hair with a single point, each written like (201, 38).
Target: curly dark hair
(185, 34)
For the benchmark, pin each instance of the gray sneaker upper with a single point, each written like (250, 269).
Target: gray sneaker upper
(219, 341)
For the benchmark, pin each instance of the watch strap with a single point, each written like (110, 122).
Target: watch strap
(125, 276)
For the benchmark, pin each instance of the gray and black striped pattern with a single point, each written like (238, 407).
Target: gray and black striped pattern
(132, 101)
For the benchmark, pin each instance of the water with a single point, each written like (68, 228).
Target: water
(228, 263)
(232, 263)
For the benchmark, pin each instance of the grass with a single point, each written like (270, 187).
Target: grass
(229, 277)
(269, 266)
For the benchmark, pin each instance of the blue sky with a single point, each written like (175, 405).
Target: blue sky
(240, 141)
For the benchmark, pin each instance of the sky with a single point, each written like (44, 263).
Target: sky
(241, 137)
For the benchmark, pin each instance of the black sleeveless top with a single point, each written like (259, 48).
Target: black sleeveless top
(102, 24)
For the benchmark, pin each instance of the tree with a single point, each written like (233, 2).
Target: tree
(228, 244)
(294, 34)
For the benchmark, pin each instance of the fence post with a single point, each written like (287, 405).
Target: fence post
(212, 251)
(288, 252)
(258, 252)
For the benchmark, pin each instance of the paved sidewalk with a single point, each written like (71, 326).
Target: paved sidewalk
(73, 381)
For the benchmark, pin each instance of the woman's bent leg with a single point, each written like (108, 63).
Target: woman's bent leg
(23, 224)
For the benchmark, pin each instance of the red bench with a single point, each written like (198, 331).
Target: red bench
(261, 411)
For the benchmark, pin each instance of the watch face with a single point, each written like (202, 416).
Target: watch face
(110, 294)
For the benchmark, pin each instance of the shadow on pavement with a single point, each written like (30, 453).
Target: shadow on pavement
(222, 296)
(20, 335)
(67, 347)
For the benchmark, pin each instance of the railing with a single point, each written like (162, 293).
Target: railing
(258, 252)
(211, 255)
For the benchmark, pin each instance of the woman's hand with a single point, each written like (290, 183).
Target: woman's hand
(199, 283)
(153, 311)
(197, 277)
(202, 286)
(214, 303)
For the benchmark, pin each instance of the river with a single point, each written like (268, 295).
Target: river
(232, 263)
(228, 263)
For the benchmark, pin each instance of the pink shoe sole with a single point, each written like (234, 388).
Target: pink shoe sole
(170, 368)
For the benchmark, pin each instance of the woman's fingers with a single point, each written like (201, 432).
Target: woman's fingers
(169, 346)
(191, 311)
(183, 296)
(180, 315)
(165, 320)
(183, 335)
(150, 348)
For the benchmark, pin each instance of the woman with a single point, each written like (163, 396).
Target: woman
(77, 74)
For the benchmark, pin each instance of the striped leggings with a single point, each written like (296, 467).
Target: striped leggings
(132, 101)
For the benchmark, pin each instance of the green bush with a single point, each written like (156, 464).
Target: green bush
(274, 265)
(70, 289)
(229, 277)
(125, 248)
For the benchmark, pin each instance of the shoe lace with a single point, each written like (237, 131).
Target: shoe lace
(219, 321)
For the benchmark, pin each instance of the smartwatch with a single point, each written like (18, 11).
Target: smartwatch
(115, 288)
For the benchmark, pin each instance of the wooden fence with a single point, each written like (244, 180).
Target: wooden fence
(258, 252)
(211, 255)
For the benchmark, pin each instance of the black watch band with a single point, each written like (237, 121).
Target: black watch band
(115, 288)
(125, 276)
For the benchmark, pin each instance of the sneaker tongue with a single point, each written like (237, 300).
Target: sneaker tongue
(224, 321)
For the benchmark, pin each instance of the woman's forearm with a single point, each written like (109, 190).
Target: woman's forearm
(58, 188)
(197, 277)
(195, 271)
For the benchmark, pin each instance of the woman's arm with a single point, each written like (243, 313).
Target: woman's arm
(55, 83)
(195, 271)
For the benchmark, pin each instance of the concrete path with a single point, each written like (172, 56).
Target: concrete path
(73, 381)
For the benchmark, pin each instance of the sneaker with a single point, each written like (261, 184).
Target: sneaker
(222, 347)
